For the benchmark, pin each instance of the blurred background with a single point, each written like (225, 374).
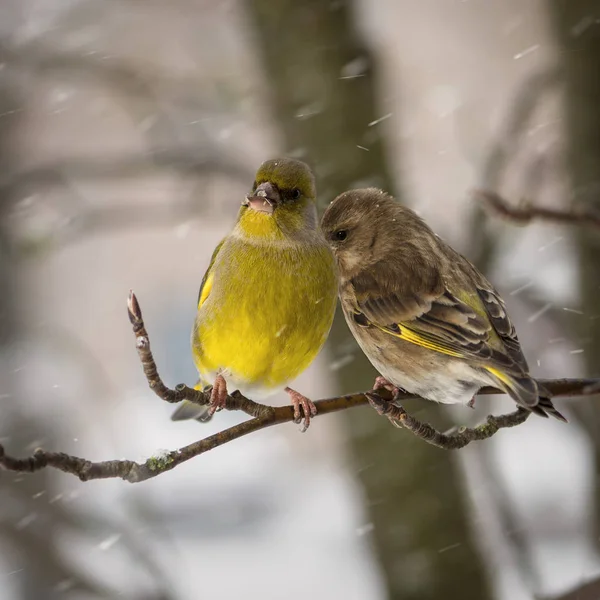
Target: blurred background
(129, 133)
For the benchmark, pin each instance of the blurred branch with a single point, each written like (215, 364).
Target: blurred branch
(192, 160)
(524, 213)
(84, 220)
(137, 80)
(525, 102)
(131, 80)
(144, 93)
(503, 149)
(263, 416)
(147, 86)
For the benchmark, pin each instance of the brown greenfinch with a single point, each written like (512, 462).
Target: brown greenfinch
(426, 318)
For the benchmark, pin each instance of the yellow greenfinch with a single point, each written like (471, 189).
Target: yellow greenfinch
(267, 300)
(426, 318)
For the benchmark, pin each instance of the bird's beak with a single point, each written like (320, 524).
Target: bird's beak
(264, 198)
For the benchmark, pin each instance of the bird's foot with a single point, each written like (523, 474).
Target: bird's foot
(218, 396)
(382, 383)
(471, 402)
(308, 408)
(382, 406)
(385, 408)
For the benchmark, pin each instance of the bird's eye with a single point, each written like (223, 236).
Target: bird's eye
(341, 235)
(296, 193)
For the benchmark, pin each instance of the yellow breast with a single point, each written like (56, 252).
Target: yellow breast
(267, 313)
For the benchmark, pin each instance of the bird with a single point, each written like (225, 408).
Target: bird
(425, 317)
(267, 301)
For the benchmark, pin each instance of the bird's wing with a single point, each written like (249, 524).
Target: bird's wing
(188, 410)
(495, 310)
(417, 306)
(207, 280)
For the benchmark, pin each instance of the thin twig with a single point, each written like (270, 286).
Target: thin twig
(525, 213)
(465, 435)
(263, 416)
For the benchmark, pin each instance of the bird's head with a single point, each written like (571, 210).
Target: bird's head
(364, 226)
(282, 200)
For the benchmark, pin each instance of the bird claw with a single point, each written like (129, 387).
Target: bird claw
(218, 396)
(395, 414)
(309, 408)
(382, 406)
(382, 383)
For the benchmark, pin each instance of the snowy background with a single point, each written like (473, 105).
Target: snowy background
(129, 133)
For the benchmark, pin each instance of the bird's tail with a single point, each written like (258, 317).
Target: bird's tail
(188, 410)
(545, 403)
(526, 392)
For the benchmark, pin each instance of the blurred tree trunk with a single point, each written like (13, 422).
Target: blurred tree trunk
(576, 26)
(322, 83)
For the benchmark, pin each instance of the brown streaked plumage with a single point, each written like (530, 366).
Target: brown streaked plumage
(426, 318)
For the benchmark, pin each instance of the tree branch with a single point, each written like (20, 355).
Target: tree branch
(264, 416)
(525, 213)
(400, 418)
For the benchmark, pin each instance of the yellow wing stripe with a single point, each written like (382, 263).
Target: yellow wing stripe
(414, 338)
(208, 279)
(206, 290)
(500, 375)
